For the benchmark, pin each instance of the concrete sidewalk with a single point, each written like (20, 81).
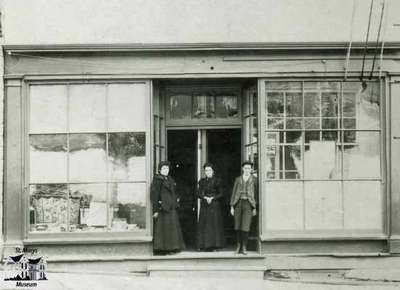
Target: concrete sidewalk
(68, 281)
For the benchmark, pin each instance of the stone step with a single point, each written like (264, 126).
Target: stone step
(135, 264)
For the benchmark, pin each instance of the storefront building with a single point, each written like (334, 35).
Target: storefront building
(86, 126)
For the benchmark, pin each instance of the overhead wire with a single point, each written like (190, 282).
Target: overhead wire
(346, 67)
(366, 41)
(383, 38)
(377, 41)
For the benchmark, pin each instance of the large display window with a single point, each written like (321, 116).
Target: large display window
(322, 152)
(87, 157)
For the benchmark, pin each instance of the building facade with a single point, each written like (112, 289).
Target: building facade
(92, 107)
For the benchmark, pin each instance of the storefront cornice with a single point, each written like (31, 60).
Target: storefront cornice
(159, 47)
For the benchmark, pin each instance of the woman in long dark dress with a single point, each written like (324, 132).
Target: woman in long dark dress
(210, 230)
(167, 231)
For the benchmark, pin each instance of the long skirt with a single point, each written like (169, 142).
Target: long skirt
(210, 229)
(167, 232)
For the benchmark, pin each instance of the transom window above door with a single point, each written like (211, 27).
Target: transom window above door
(202, 106)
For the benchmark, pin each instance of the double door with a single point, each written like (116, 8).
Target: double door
(188, 150)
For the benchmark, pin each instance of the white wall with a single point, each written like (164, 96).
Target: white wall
(188, 21)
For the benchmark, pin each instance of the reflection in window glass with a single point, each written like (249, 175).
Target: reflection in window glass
(329, 123)
(48, 207)
(311, 105)
(293, 137)
(294, 123)
(349, 105)
(293, 162)
(180, 106)
(88, 207)
(87, 108)
(128, 206)
(350, 124)
(87, 157)
(275, 123)
(294, 105)
(275, 107)
(311, 136)
(312, 123)
(48, 109)
(330, 136)
(226, 107)
(329, 106)
(48, 158)
(285, 86)
(203, 107)
(127, 156)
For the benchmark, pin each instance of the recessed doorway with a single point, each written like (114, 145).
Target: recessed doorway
(188, 150)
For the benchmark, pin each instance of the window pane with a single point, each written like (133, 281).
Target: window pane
(329, 104)
(311, 105)
(293, 137)
(294, 123)
(180, 106)
(128, 205)
(349, 136)
(275, 104)
(87, 108)
(368, 107)
(330, 136)
(326, 86)
(87, 157)
(349, 124)
(275, 123)
(127, 161)
(312, 123)
(48, 158)
(311, 136)
(226, 107)
(283, 86)
(293, 162)
(363, 204)
(349, 105)
(362, 160)
(127, 107)
(323, 205)
(322, 160)
(203, 107)
(330, 123)
(88, 208)
(48, 109)
(294, 105)
(284, 205)
(48, 207)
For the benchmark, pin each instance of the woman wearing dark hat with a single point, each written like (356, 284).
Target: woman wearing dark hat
(243, 205)
(210, 230)
(167, 231)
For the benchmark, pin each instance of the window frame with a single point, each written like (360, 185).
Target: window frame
(328, 234)
(202, 90)
(143, 235)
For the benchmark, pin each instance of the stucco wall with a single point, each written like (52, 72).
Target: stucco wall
(191, 21)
